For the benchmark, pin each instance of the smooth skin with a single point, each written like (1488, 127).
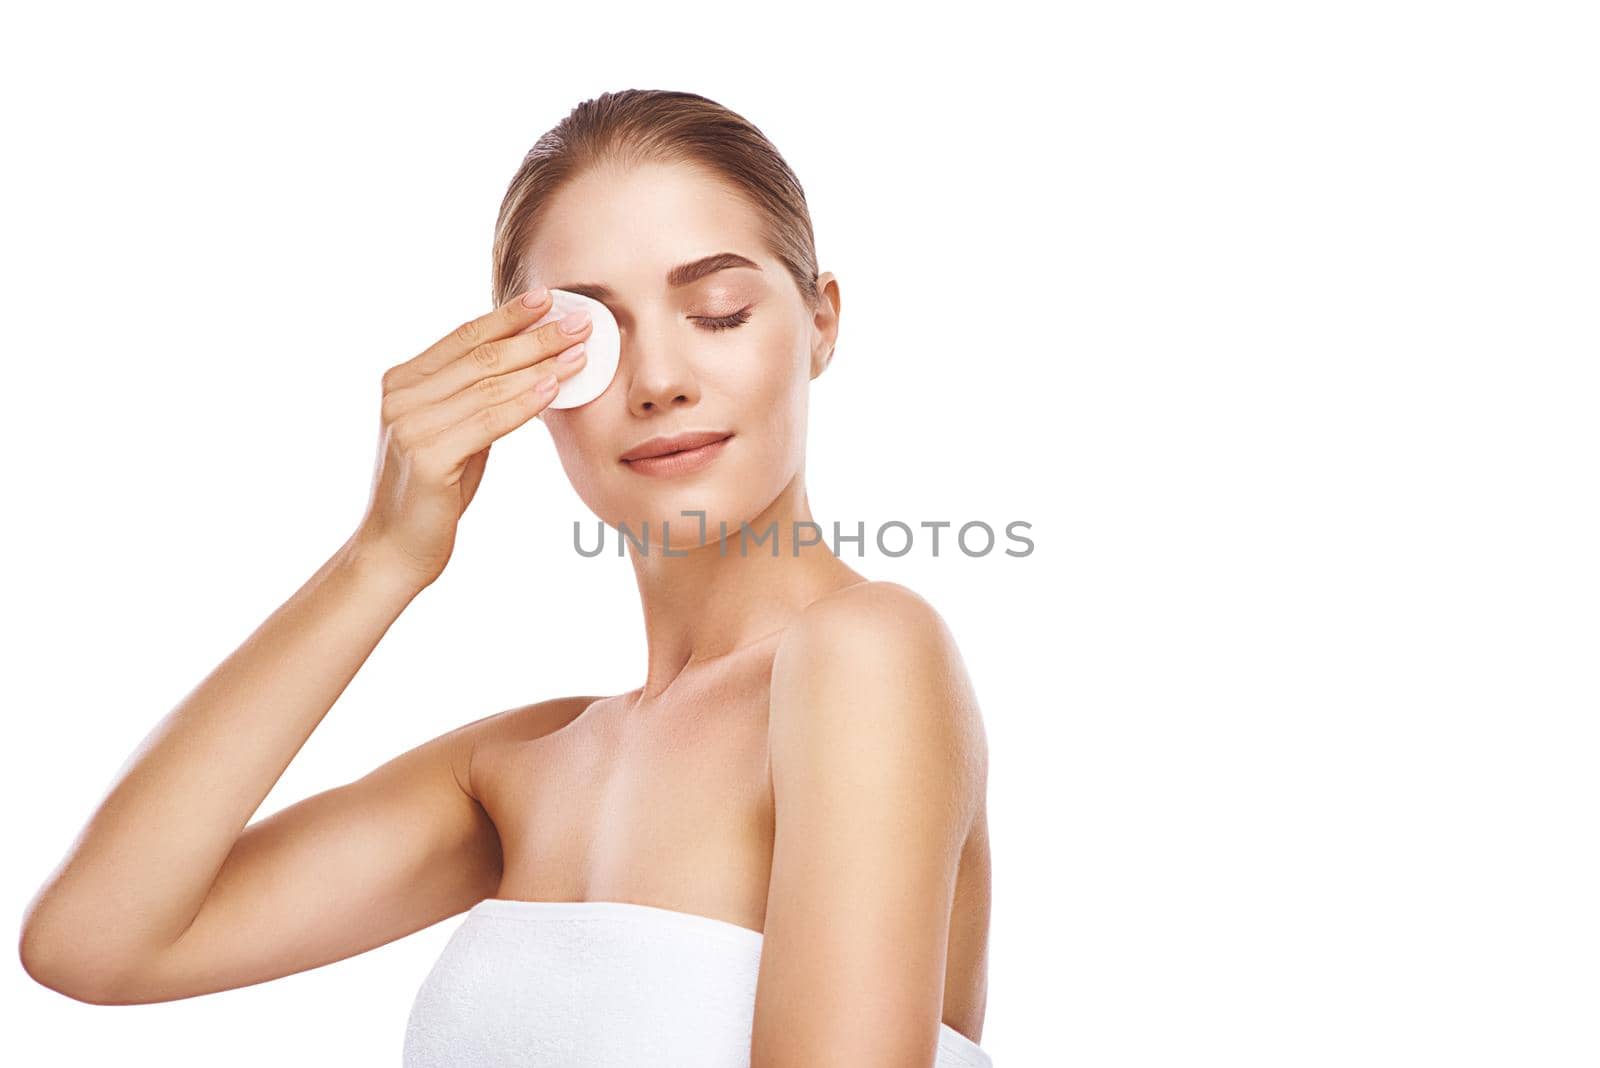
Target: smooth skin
(181, 896)
(805, 757)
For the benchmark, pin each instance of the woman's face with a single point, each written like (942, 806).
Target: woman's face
(730, 349)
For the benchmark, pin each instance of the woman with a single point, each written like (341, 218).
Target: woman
(773, 851)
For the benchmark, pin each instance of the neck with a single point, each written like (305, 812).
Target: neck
(721, 596)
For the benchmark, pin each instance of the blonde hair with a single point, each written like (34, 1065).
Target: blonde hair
(635, 126)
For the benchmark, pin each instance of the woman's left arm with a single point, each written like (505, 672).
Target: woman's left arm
(878, 767)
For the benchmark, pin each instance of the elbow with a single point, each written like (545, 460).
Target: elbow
(57, 967)
(44, 966)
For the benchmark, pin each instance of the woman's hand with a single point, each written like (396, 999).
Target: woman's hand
(441, 411)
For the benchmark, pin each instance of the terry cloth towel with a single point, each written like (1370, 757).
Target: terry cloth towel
(598, 984)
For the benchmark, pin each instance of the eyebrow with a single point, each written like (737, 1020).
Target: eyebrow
(681, 275)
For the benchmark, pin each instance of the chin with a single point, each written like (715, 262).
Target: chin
(665, 510)
(726, 499)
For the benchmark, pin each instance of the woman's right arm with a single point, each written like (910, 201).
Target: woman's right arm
(167, 892)
(134, 888)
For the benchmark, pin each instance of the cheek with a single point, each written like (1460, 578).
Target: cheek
(769, 391)
(769, 377)
(580, 450)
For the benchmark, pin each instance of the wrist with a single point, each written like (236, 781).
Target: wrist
(372, 564)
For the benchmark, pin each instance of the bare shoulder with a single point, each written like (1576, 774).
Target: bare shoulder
(874, 664)
(884, 628)
(467, 743)
(875, 610)
(878, 768)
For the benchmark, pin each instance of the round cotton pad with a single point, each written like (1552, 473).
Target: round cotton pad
(603, 347)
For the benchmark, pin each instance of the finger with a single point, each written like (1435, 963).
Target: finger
(485, 426)
(504, 321)
(497, 358)
(427, 420)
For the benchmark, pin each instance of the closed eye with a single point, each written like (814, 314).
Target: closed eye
(723, 322)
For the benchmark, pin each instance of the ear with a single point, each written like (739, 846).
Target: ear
(825, 322)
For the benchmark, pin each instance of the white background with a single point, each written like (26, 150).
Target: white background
(1277, 321)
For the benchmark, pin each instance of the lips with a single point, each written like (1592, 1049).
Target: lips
(664, 446)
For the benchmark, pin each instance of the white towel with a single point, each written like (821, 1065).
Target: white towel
(598, 984)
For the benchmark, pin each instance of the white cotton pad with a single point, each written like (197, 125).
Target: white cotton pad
(603, 347)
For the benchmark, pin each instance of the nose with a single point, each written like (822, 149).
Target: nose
(660, 377)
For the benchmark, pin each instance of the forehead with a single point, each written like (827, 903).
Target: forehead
(627, 227)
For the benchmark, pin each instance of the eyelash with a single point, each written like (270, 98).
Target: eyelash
(725, 322)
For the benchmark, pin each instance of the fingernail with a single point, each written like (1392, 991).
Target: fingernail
(534, 297)
(572, 322)
(571, 355)
(547, 385)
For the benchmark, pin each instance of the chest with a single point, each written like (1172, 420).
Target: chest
(666, 803)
